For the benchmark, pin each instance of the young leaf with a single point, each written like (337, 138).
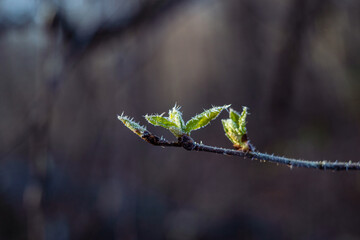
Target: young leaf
(242, 121)
(175, 116)
(132, 125)
(203, 119)
(176, 131)
(234, 116)
(235, 129)
(231, 132)
(159, 120)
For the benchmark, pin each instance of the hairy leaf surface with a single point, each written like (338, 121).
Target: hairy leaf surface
(203, 119)
(175, 116)
(234, 116)
(235, 129)
(231, 131)
(132, 125)
(242, 121)
(159, 120)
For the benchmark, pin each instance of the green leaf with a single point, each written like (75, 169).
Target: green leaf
(175, 116)
(235, 129)
(231, 131)
(235, 116)
(203, 119)
(159, 120)
(242, 121)
(176, 131)
(132, 125)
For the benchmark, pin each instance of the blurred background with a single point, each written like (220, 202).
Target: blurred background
(70, 170)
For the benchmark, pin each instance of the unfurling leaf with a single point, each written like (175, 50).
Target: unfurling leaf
(203, 119)
(167, 122)
(175, 116)
(235, 129)
(242, 120)
(132, 125)
(231, 132)
(234, 116)
(239, 119)
(159, 120)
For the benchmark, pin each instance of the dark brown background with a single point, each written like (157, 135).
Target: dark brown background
(70, 170)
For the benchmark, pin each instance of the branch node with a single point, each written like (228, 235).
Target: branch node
(187, 142)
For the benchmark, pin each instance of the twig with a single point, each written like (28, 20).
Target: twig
(189, 144)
